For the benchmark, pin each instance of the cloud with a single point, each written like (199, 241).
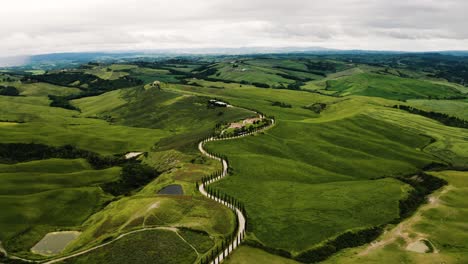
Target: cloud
(32, 27)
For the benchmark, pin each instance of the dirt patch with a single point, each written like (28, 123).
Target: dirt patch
(153, 206)
(131, 155)
(4, 124)
(418, 246)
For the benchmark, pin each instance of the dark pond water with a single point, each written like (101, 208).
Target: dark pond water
(173, 189)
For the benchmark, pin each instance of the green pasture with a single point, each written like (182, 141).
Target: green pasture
(390, 86)
(246, 254)
(153, 246)
(28, 189)
(43, 89)
(185, 118)
(458, 108)
(143, 211)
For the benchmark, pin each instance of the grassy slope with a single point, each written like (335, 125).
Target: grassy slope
(71, 181)
(22, 182)
(390, 86)
(31, 216)
(249, 73)
(27, 190)
(57, 126)
(186, 118)
(246, 254)
(458, 108)
(443, 224)
(111, 72)
(157, 246)
(450, 144)
(44, 89)
(145, 211)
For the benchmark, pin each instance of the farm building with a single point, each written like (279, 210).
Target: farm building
(218, 103)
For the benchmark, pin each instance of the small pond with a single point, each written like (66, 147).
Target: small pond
(174, 189)
(54, 243)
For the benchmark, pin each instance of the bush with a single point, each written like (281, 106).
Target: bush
(317, 107)
(261, 85)
(281, 104)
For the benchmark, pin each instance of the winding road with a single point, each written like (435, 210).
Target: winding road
(240, 216)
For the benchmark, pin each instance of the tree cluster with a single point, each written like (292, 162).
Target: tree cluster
(316, 107)
(133, 176)
(62, 102)
(9, 91)
(281, 104)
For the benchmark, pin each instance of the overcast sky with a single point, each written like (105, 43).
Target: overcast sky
(46, 26)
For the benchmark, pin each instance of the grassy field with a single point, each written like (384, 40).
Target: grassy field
(288, 206)
(112, 123)
(390, 86)
(157, 246)
(273, 194)
(246, 254)
(57, 126)
(186, 118)
(40, 176)
(250, 73)
(149, 211)
(27, 218)
(456, 108)
(41, 89)
(328, 166)
(274, 72)
(441, 221)
(26, 192)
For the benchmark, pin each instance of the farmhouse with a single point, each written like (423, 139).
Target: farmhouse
(245, 122)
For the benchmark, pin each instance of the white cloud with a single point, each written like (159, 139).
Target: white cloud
(31, 26)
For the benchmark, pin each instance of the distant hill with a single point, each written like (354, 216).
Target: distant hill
(57, 60)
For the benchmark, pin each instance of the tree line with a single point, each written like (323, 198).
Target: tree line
(93, 82)
(423, 184)
(219, 250)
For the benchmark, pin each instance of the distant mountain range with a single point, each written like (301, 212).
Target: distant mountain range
(60, 59)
